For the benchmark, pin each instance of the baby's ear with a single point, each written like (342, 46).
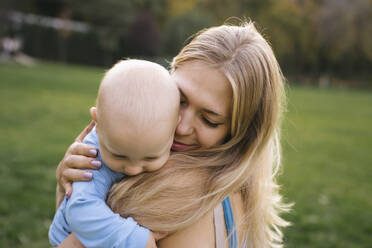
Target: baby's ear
(93, 113)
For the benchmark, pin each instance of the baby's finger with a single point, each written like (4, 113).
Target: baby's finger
(78, 148)
(73, 175)
(85, 132)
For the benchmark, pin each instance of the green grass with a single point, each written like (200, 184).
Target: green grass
(42, 109)
(327, 142)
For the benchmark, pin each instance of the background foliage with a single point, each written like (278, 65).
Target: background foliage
(312, 38)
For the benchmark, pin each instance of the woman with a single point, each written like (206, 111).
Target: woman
(226, 145)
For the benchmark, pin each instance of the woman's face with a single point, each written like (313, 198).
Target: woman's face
(205, 106)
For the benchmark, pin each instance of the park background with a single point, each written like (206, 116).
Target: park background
(324, 48)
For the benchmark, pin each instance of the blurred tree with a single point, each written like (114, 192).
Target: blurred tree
(180, 28)
(109, 18)
(39, 7)
(157, 9)
(344, 33)
(143, 38)
(223, 10)
(291, 33)
(284, 24)
(309, 36)
(180, 7)
(364, 22)
(113, 20)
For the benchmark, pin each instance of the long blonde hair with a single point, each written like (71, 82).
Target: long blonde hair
(193, 183)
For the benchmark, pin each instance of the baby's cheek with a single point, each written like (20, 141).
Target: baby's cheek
(161, 163)
(166, 158)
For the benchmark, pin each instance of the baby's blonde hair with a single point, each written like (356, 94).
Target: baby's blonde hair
(138, 92)
(193, 183)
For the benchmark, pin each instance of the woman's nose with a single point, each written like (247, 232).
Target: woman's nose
(185, 125)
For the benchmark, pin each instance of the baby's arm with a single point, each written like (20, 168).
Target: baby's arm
(94, 223)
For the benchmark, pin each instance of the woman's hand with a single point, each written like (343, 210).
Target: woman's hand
(78, 156)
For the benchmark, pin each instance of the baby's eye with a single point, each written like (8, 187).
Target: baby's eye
(151, 158)
(119, 156)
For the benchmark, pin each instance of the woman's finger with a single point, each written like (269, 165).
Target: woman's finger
(85, 132)
(78, 148)
(73, 175)
(68, 188)
(82, 162)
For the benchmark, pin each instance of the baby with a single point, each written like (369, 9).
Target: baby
(136, 117)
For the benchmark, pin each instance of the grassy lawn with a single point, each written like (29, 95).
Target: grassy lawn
(327, 140)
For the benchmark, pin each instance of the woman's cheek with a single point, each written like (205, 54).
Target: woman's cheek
(206, 138)
(214, 136)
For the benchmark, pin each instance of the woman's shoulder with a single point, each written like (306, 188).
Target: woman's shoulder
(237, 206)
(202, 233)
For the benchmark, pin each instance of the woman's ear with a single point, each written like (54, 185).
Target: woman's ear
(93, 113)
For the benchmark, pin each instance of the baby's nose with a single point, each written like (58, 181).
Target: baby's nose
(132, 171)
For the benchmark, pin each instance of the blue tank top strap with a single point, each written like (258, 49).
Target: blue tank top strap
(230, 224)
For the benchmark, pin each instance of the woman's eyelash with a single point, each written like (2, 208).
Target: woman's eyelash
(209, 123)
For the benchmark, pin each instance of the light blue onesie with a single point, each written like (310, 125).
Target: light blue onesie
(86, 214)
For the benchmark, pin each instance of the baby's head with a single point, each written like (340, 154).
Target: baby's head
(136, 116)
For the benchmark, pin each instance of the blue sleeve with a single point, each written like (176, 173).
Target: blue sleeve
(93, 222)
(59, 229)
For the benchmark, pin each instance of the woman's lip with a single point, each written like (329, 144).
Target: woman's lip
(177, 146)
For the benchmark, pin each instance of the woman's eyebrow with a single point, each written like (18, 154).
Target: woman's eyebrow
(213, 113)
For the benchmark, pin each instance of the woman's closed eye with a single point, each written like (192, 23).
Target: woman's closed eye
(182, 102)
(210, 123)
